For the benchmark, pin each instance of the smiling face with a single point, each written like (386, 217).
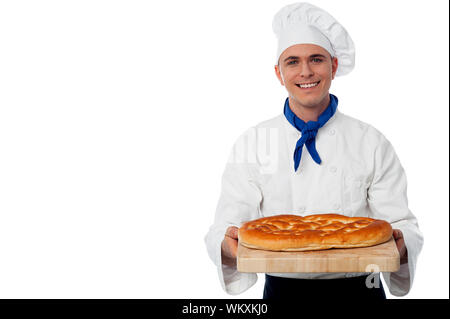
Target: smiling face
(306, 70)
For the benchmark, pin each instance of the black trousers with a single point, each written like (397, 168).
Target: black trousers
(331, 289)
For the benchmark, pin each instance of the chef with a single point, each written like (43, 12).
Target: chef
(313, 159)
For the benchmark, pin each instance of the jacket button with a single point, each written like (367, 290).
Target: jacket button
(332, 132)
(333, 169)
(336, 206)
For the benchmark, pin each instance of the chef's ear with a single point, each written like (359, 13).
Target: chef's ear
(278, 74)
(334, 67)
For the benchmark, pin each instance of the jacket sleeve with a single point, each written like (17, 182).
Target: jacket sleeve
(239, 202)
(387, 199)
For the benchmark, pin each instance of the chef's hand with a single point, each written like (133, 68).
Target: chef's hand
(400, 242)
(229, 246)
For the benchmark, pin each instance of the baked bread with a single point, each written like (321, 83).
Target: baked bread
(313, 232)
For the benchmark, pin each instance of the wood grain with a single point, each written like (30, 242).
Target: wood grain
(385, 256)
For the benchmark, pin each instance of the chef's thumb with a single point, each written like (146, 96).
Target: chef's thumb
(232, 232)
(397, 234)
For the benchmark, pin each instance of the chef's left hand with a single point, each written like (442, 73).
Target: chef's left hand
(400, 242)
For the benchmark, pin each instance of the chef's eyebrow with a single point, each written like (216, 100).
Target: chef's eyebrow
(292, 57)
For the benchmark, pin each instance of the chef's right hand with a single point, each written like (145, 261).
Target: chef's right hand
(229, 246)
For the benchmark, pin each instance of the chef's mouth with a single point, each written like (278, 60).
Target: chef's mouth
(307, 85)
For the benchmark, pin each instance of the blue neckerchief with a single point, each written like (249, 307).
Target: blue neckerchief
(309, 129)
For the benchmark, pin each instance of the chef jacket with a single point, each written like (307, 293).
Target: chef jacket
(360, 175)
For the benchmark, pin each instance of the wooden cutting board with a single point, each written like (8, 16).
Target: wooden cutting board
(385, 256)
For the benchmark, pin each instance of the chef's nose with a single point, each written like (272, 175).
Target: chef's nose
(305, 70)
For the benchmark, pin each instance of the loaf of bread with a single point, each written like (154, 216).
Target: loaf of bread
(313, 232)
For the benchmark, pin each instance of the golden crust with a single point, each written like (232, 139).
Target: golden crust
(313, 232)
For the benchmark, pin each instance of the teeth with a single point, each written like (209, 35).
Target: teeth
(307, 85)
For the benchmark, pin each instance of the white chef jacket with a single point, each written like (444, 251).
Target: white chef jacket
(360, 175)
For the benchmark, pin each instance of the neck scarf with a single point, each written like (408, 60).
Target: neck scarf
(309, 129)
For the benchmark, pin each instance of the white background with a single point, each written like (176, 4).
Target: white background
(117, 118)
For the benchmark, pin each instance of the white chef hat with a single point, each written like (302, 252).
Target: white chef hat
(300, 23)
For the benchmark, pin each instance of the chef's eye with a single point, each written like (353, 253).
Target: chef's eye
(292, 62)
(316, 60)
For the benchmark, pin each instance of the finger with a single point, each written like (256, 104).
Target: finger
(233, 248)
(401, 247)
(232, 232)
(398, 234)
(230, 247)
(399, 243)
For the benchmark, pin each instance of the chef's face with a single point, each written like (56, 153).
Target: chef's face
(307, 64)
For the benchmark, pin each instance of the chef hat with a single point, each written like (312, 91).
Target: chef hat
(304, 23)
